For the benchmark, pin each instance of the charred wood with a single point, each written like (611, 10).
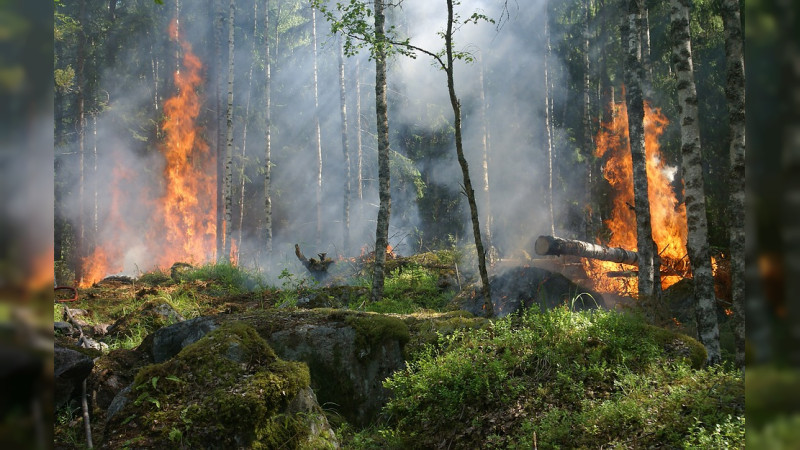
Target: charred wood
(313, 265)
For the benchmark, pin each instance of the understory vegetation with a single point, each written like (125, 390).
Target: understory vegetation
(537, 379)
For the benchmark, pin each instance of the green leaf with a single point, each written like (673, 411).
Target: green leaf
(153, 381)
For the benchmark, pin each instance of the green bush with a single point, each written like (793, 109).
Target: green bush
(575, 379)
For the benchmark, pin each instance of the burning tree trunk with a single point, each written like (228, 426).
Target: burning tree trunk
(80, 244)
(735, 92)
(589, 230)
(635, 103)
(697, 242)
(551, 245)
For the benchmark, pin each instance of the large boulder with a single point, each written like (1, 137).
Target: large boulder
(227, 390)
(169, 341)
(524, 287)
(113, 372)
(70, 368)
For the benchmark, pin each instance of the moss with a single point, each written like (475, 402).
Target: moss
(227, 389)
(680, 345)
(426, 328)
(372, 329)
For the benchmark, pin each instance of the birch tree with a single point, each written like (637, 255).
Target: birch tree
(694, 191)
(228, 182)
(346, 153)
(635, 104)
(267, 138)
(317, 132)
(735, 93)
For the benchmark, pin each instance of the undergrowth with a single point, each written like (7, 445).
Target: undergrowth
(572, 379)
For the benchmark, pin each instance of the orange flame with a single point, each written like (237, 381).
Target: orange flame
(182, 225)
(668, 217)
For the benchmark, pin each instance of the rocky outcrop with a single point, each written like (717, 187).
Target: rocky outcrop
(227, 390)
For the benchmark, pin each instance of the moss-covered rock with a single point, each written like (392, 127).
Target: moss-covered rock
(149, 317)
(227, 390)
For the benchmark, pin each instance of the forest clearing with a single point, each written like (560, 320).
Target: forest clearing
(528, 223)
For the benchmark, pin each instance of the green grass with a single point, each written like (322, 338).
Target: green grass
(225, 277)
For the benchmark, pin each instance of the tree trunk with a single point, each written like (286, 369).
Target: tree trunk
(317, 129)
(228, 187)
(218, 20)
(589, 230)
(267, 139)
(244, 133)
(692, 167)
(382, 116)
(487, 225)
(735, 93)
(647, 66)
(80, 244)
(359, 175)
(635, 104)
(462, 161)
(551, 245)
(548, 118)
(346, 152)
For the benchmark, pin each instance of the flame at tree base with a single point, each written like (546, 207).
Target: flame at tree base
(668, 216)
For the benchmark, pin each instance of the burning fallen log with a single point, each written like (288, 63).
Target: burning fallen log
(313, 265)
(551, 245)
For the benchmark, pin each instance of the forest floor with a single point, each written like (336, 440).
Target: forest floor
(549, 379)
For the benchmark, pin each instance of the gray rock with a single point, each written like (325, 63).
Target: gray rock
(119, 402)
(345, 376)
(70, 368)
(169, 341)
(64, 328)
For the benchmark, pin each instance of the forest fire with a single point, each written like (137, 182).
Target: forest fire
(668, 216)
(181, 225)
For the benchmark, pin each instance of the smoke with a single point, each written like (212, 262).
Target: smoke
(138, 79)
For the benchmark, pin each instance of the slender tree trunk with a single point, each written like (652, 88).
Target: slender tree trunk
(154, 67)
(382, 116)
(317, 128)
(267, 139)
(359, 175)
(735, 93)
(548, 117)
(220, 162)
(633, 80)
(647, 66)
(228, 186)
(692, 168)
(473, 206)
(95, 218)
(588, 146)
(244, 132)
(492, 252)
(80, 243)
(346, 152)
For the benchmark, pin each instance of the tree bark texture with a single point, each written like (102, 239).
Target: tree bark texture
(735, 94)
(487, 196)
(382, 116)
(551, 245)
(228, 183)
(462, 161)
(635, 104)
(267, 139)
(694, 190)
(548, 119)
(317, 128)
(359, 173)
(589, 230)
(346, 154)
(218, 15)
(80, 238)
(242, 164)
